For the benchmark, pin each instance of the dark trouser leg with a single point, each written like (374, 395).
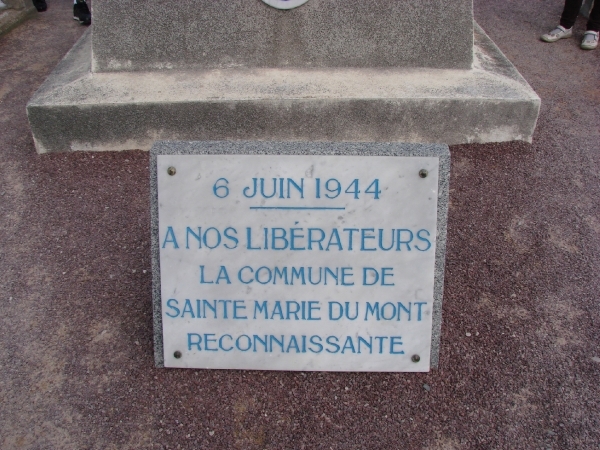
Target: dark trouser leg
(570, 13)
(594, 22)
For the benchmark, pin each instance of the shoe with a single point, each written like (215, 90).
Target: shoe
(40, 5)
(559, 32)
(590, 40)
(81, 12)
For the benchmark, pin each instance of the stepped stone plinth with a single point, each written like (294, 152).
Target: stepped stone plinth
(327, 70)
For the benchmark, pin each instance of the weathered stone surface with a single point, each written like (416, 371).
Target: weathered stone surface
(75, 110)
(248, 33)
(14, 12)
(18, 4)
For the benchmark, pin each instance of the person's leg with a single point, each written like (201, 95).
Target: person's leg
(592, 35)
(81, 12)
(570, 13)
(567, 20)
(594, 21)
(40, 5)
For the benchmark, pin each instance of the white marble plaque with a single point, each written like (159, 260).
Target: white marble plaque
(297, 262)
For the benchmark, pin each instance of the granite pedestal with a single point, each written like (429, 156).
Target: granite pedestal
(328, 70)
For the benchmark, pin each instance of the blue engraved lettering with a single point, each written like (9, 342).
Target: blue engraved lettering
(381, 339)
(282, 237)
(291, 183)
(249, 342)
(348, 345)
(419, 306)
(401, 308)
(312, 240)
(332, 341)
(399, 240)
(277, 341)
(240, 275)
(246, 190)
(348, 316)
(293, 237)
(316, 340)
(364, 236)
(293, 343)
(347, 273)
(290, 311)
(421, 238)
(277, 310)
(257, 340)
(231, 237)
(260, 308)
(387, 272)
(225, 309)
(209, 338)
(333, 275)
(262, 188)
(383, 247)
(194, 339)
(173, 307)
(337, 242)
(170, 238)
(213, 308)
(310, 280)
(266, 241)
(238, 308)
(221, 342)
(313, 306)
(217, 240)
(391, 310)
(282, 274)
(395, 340)
(368, 344)
(202, 280)
(198, 237)
(337, 315)
(367, 273)
(249, 240)
(373, 309)
(268, 272)
(350, 237)
(223, 275)
(188, 309)
(298, 274)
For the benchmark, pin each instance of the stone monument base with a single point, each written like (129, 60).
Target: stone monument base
(76, 109)
(13, 15)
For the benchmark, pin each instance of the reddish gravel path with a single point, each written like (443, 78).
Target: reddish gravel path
(76, 368)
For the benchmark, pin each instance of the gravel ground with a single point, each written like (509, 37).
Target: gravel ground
(520, 355)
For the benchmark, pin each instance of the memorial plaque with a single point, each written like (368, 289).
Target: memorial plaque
(298, 256)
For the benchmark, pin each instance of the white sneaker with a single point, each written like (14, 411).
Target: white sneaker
(590, 40)
(559, 32)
